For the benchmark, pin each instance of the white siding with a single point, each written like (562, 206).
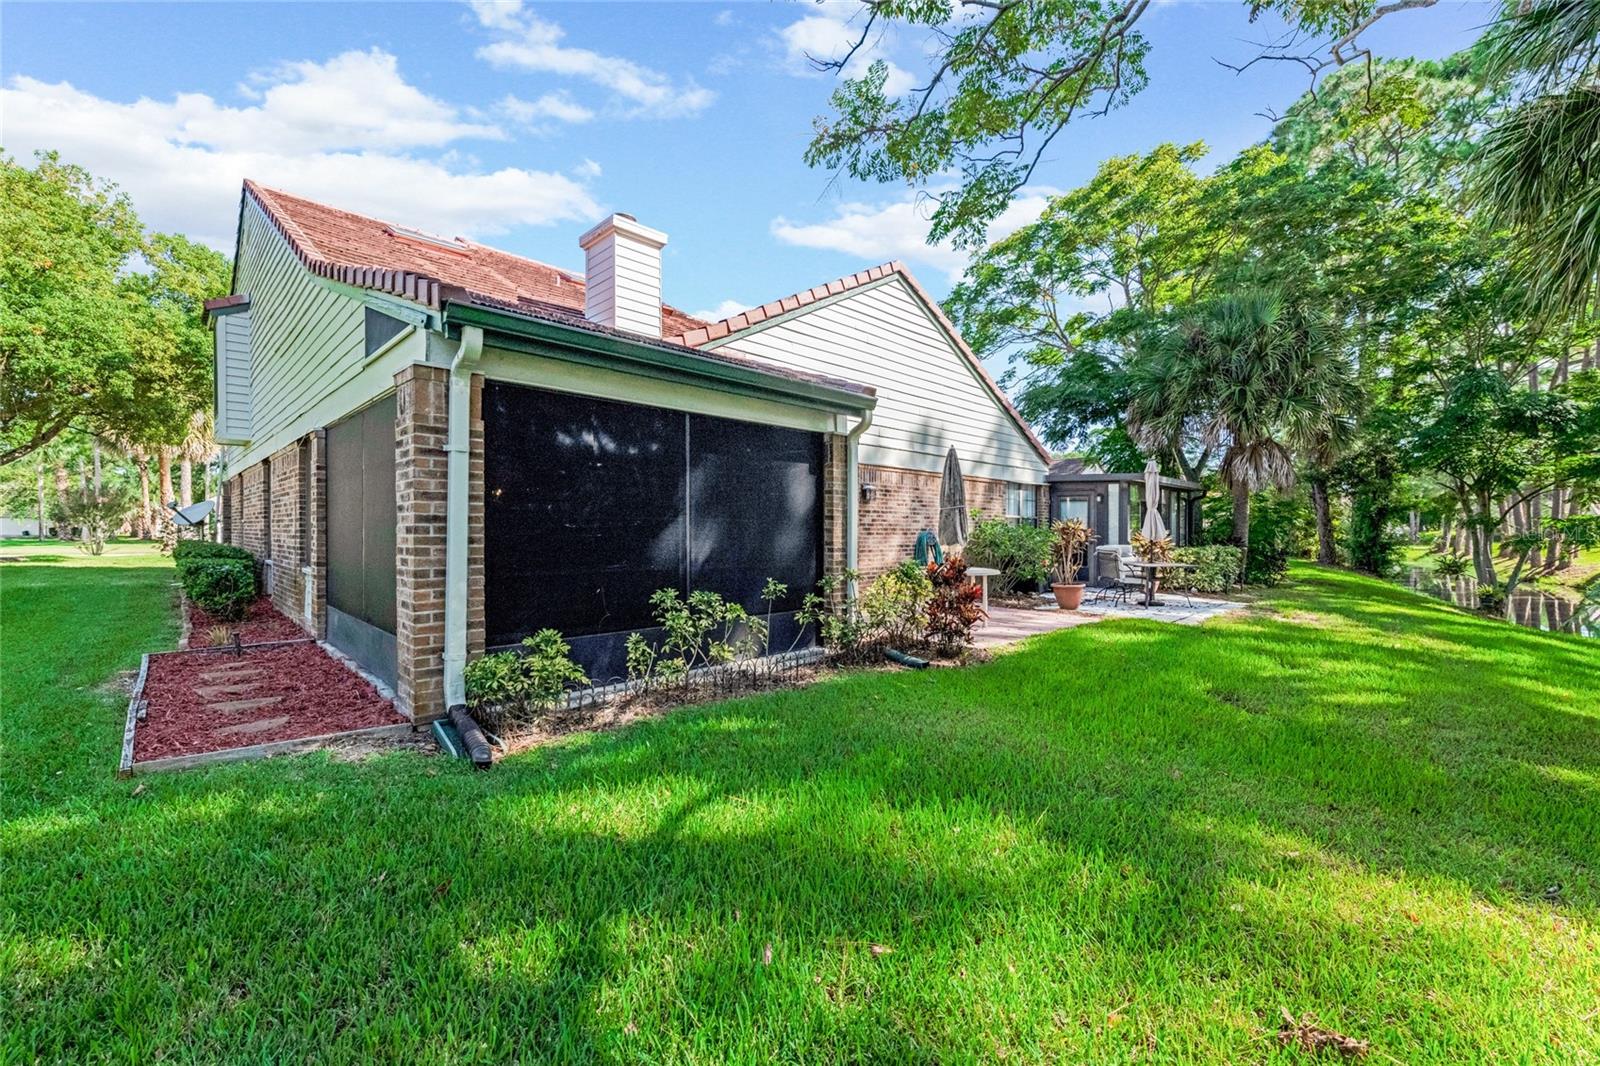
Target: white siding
(306, 338)
(929, 397)
(622, 279)
(233, 377)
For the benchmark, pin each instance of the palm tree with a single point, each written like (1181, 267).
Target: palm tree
(1539, 167)
(1254, 376)
(197, 446)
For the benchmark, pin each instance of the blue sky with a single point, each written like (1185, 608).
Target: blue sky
(519, 126)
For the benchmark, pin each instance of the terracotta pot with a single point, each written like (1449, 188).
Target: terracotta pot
(1068, 597)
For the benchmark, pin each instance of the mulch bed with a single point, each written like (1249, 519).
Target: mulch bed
(262, 624)
(204, 701)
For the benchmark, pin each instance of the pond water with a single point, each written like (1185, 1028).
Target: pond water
(1534, 607)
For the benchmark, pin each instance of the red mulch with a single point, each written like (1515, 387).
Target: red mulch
(318, 695)
(261, 624)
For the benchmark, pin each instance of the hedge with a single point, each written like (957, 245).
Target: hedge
(1216, 566)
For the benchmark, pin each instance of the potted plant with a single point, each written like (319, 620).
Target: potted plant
(1152, 551)
(1068, 553)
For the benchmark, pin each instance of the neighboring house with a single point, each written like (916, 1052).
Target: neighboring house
(18, 527)
(437, 448)
(1113, 505)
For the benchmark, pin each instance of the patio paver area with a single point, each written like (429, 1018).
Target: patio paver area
(1007, 625)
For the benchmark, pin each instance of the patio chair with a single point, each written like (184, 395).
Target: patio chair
(1119, 578)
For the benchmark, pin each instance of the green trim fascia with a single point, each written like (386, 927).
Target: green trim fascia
(556, 341)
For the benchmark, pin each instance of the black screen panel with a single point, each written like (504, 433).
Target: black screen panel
(755, 510)
(584, 508)
(361, 515)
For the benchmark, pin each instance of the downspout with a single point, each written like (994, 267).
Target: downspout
(458, 442)
(853, 494)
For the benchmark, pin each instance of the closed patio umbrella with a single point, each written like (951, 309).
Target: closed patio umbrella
(1154, 528)
(952, 502)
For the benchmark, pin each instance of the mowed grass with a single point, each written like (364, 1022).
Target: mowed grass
(1125, 841)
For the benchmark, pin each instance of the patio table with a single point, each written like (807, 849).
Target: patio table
(1152, 574)
(983, 574)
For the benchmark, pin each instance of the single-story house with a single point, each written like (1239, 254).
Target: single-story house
(1114, 505)
(437, 448)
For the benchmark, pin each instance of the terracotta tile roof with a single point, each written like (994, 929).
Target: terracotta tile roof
(715, 332)
(372, 254)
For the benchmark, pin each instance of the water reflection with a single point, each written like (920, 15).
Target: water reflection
(1532, 607)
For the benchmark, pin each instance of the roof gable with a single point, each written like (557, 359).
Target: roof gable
(730, 329)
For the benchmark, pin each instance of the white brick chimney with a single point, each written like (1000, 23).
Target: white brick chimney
(622, 275)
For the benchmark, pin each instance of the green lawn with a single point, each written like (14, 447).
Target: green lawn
(1127, 840)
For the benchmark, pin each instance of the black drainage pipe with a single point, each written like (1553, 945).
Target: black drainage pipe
(905, 660)
(472, 737)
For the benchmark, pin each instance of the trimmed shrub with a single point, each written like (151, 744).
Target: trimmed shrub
(506, 687)
(1020, 552)
(189, 554)
(208, 549)
(222, 588)
(895, 605)
(1216, 567)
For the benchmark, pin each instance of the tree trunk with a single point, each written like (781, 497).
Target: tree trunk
(185, 482)
(1481, 533)
(62, 485)
(1241, 525)
(165, 467)
(41, 500)
(144, 499)
(94, 450)
(1535, 517)
(1556, 548)
(1446, 541)
(1319, 499)
(1414, 524)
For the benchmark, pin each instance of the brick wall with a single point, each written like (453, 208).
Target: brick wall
(228, 492)
(317, 624)
(904, 503)
(421, 418)
(253, 512)
(245, 524)
(288, 521)
(835, 490)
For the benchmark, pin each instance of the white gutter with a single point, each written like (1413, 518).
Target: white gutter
(457, 445)
(853, 495)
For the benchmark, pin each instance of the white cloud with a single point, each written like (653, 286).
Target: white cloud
(724, 17)
(528, 42)
(828, 35)
(878, 232)
(559, 106)
(587, 169)
(725, 309)
(347, 131)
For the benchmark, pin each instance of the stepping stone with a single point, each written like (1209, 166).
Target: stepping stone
(233, 673)
(235, 706)
(252, 727)
(211, 692)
